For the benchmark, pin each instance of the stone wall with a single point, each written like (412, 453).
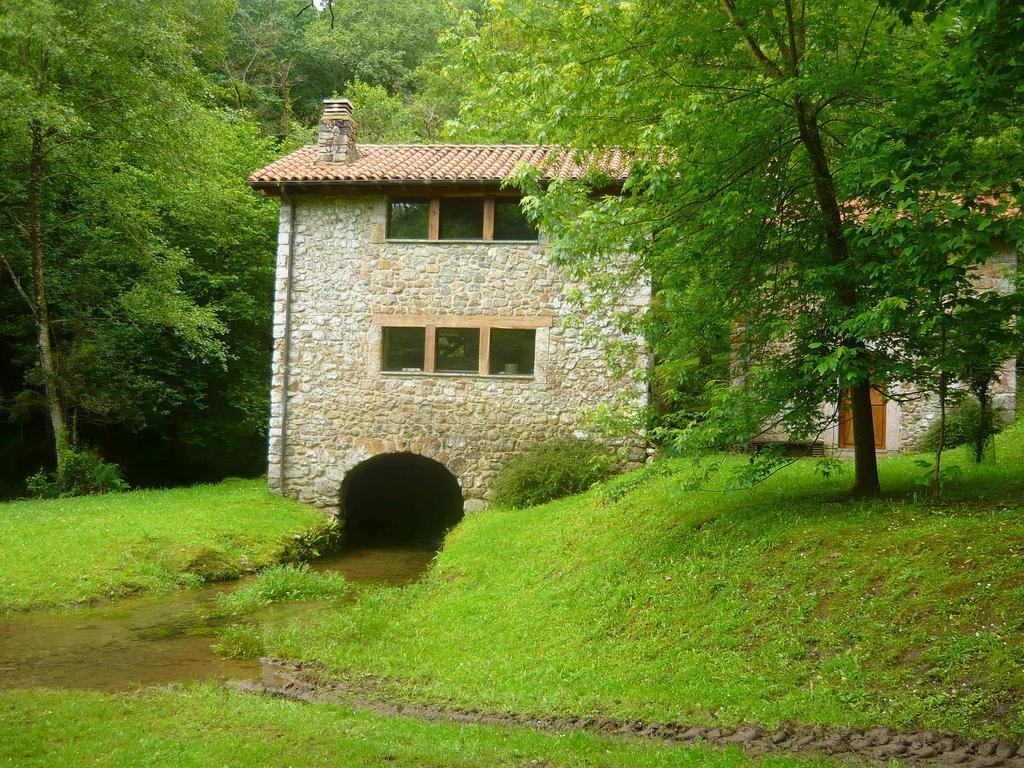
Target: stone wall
(332, 407)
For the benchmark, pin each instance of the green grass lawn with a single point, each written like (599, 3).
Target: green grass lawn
(66, 551)
(783, 603)
(207, 726)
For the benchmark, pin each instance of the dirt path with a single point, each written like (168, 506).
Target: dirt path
(871, 746)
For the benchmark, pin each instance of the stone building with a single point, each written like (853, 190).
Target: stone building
(420, 333)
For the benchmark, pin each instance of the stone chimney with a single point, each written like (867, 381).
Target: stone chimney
(337, 139)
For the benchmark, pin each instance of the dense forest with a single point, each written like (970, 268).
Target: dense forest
(832, 173)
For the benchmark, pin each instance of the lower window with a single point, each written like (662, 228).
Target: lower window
(484, 350)
(403, 349)
(457, 350)
(512, 351)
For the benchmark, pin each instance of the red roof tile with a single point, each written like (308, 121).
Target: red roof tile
(417, 163)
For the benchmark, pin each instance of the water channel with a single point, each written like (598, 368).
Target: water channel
(160, 639)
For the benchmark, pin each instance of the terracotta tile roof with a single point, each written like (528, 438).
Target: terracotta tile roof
(418, 163)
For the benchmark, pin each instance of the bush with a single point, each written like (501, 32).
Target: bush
(551, 471)
(83, 473)
(964, 426)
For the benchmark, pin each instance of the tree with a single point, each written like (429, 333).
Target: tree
(104, 136)
(283, 57)
(751, 126)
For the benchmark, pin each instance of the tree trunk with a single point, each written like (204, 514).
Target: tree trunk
(865, 459)
(47, 355)
(986, 429)
(937, 470)
(286, 99)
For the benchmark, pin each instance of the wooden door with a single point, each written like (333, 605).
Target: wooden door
(877, 420)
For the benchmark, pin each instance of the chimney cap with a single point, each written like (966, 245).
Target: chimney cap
(337, 109)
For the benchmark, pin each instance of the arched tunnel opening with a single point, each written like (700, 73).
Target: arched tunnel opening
(400, 498)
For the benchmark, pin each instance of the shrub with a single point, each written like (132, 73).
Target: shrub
(551, 471)
(83, 473)
(964, 426)
(282, 582)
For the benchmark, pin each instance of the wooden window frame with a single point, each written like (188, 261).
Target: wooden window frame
(434, 220)
(430, 324)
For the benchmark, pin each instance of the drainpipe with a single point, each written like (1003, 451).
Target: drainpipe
(287, 337)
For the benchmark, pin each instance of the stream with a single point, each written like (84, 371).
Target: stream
(160, 639)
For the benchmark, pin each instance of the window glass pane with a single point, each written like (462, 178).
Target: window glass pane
(512, 351)
(403, 348)
(462, 218)
(458, 349)
(510, 222)
(408, 219)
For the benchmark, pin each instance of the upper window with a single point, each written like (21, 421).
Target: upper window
(408, 219)
(485, 217)
(462, 218)
(510, 223)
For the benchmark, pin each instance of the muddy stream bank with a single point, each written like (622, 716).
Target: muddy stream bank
(160, 639)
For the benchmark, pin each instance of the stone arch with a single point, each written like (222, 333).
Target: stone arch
(400, 496)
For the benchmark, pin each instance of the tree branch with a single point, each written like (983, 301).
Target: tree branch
(864, 40)
(769, 66)
(797, 54)
(19, 288)
(787, 52)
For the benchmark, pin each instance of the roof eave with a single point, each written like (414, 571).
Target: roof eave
(276, 186)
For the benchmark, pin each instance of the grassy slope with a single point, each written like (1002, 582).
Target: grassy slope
(777, 604)
(206, 726)
(73, 550)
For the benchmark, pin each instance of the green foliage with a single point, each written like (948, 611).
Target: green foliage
(158, 310)
(279, 64)
(965, 425)
(83, 473)
(551, 470)
(399, 118)
(282, 583)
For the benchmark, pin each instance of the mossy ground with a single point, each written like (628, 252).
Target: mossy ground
(786, 602)
(66, 551)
